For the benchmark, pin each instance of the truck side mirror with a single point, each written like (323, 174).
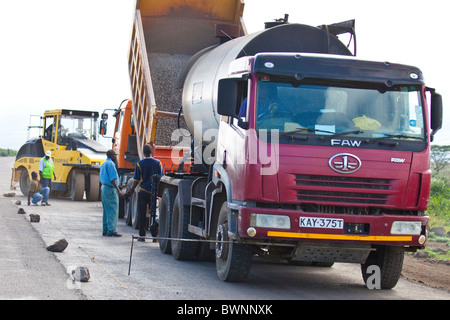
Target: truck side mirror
(227, 99)
(436, 113)
(103, 126)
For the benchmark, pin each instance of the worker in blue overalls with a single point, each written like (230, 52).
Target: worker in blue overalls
(110, 193)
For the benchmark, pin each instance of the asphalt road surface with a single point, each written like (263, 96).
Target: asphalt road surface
(29, 271)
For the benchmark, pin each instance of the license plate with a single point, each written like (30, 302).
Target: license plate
(326, 223)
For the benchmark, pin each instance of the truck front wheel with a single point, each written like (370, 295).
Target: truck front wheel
(233, 260)
(389, 260)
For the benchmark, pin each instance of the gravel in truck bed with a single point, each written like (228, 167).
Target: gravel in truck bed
(165, 69)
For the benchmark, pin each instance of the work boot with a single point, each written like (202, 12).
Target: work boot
(115, 234)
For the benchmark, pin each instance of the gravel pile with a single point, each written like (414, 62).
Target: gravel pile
(165, 69)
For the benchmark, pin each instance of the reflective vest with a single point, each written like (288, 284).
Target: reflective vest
(47, 173)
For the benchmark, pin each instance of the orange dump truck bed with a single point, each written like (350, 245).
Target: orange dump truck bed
(166, 34)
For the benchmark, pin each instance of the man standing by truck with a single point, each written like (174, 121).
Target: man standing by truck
(145, 170)
(110, 193)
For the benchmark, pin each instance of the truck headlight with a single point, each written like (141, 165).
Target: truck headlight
(406, 227)
(270, 221)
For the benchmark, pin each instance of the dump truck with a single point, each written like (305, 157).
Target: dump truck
(299, 151)
(72, 138)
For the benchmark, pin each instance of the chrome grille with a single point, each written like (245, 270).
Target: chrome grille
(341, 189)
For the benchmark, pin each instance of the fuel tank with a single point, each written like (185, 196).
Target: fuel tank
(201, 77)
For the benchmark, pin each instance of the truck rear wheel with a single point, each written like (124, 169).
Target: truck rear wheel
(165, 218)
(127, 211)
(24, 182)
(182, 250)
(390, 262)
(77, 185)
(233, 260)
(134, 210)
(121, 207)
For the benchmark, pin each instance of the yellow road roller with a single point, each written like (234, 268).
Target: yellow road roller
(72, 138)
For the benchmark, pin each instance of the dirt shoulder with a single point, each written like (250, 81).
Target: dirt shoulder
(427, 271)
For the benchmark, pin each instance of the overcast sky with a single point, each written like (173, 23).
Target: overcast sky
(73, 54)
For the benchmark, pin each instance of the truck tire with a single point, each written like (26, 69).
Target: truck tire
(127, 211)
(121, 207)
(134, 210)
(233, 260)
(165, 219)
(127, 204)
(205, 253)
(24, 182)
(93, 190)
(389, 260)
(77, 185)
(182, 250)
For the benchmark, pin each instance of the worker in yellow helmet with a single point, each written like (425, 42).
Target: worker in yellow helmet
(46, 171)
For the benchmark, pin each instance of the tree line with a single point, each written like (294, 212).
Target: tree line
(440, 158)
(7, 152)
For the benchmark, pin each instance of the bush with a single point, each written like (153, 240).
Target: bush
(440, 187)
(439, 205)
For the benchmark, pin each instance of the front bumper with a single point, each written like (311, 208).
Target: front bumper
(368, 229)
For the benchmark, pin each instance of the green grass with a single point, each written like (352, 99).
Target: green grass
(438, 255)
(439, 212)
(439, 206)
(442, 239)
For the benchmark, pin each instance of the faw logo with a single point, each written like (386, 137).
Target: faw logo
(345, 143)
(344, 163)
(398, 160)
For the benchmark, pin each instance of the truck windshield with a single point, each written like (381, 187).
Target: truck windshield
(344, 111)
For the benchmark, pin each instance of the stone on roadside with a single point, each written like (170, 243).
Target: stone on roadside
(35, 217)
(439, 231)
(9, 194)
(18, 203)
(58, 246)
(421, 254)
(21, 211)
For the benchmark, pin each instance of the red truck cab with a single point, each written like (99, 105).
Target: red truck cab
(331, 156)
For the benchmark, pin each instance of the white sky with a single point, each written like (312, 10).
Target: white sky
(73, 54)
